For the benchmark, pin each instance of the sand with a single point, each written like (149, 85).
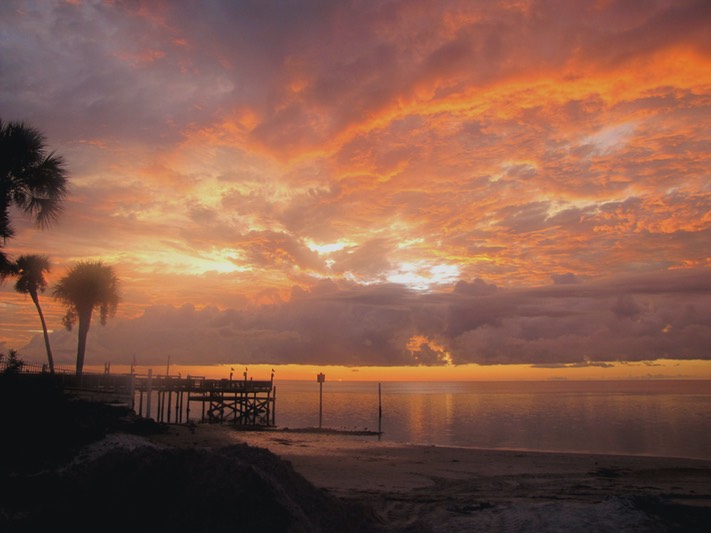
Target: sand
(91, 462)
(432, 488)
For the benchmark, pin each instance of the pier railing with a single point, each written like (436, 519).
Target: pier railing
(241, 402)
(168, 398)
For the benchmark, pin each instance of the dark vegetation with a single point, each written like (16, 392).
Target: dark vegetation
(32, 180)
(236, 488)
(43, 426)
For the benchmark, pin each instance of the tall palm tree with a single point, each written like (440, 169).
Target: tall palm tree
(30, 178)
(30, 271)
(87, 285)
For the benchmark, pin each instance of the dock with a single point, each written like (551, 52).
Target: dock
(176, 399)
(240, 402)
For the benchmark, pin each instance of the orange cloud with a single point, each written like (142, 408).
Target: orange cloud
(224, 154)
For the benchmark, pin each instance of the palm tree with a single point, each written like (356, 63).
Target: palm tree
(30, 271)
(87, 285)
(30, 178)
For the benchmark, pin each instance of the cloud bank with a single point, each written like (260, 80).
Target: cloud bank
(636, 319)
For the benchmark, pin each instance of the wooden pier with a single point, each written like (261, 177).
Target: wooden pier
(171, 399)
(241, 402)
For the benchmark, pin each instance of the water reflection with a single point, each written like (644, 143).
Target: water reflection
(650, 418)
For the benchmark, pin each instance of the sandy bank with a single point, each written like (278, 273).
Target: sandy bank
(428, 488)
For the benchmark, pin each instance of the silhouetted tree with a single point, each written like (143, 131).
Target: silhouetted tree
(87, 285)
(30, 271)
(12, 363)
(30, 178)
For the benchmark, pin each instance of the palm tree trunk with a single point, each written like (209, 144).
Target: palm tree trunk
(84, 323)
(35, 299)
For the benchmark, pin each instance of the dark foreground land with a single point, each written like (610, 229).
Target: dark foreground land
(75, 466)
(70, 465)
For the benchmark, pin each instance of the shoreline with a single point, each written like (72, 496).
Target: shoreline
(103, 457)
(256, 434)
(438, 488)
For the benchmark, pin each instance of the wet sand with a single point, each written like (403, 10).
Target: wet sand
(432, 488)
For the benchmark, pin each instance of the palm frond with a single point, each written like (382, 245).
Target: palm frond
(33, 180)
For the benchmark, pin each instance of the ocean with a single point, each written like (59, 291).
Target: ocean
(669, 418)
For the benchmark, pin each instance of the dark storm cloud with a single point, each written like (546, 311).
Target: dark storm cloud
(641, 318)
(108, 67)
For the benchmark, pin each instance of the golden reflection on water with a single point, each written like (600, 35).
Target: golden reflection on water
(632, 417)
(640, 416)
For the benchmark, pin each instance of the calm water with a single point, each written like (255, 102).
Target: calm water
(661, 418)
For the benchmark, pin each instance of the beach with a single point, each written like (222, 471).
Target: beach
(83, 463)
(435, 488)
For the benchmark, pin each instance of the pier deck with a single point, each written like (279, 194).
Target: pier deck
(169, 398)
(241, 402)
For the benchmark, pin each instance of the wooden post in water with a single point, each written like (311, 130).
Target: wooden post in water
(320, 378)
(179, 406)
(380, 410)
(149, 388)
(187, 407)
(170, 393)
(132, 391)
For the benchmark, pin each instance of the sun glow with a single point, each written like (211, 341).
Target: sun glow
(220, 260)
(663, 369)
(328, 248)
(426, 351)
(423, 276)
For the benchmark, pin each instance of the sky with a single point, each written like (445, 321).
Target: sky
(459, 184)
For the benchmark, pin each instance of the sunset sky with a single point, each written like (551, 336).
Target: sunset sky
(514, 184)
